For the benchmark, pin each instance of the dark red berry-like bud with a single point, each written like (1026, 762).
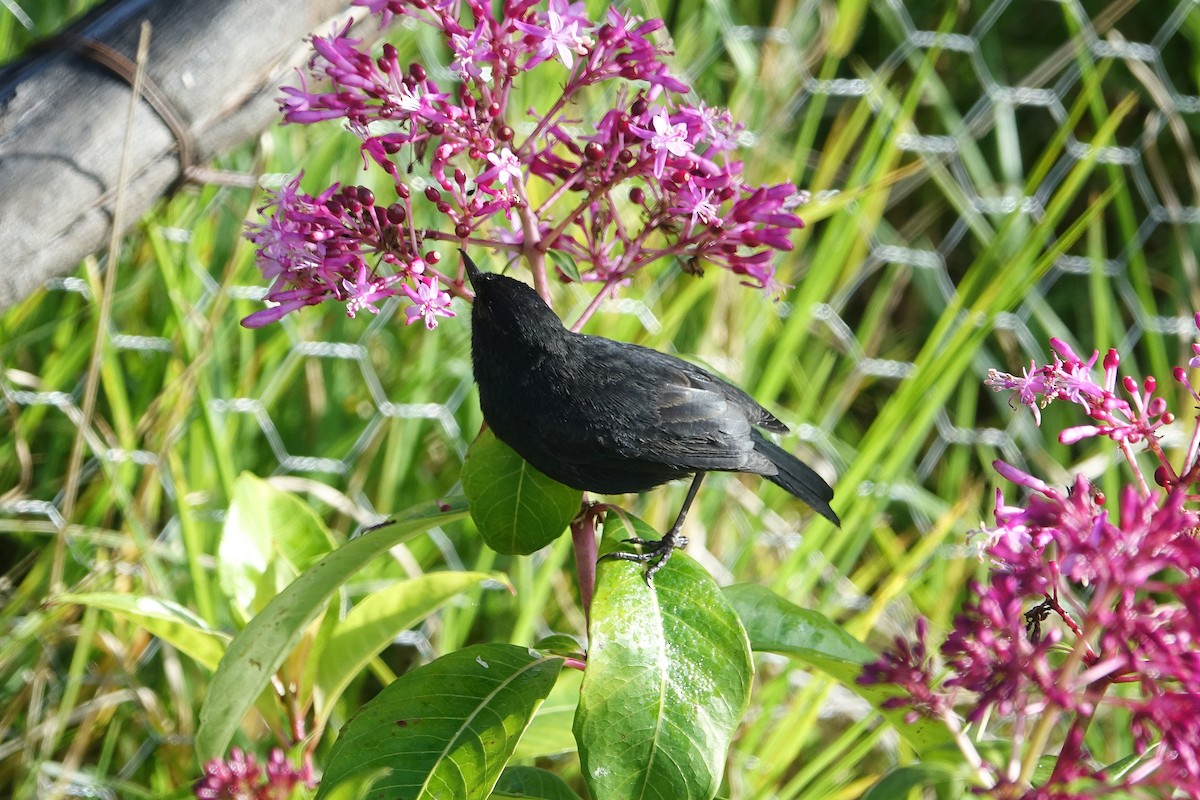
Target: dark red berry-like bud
(402, 191)
(462, 230)
(365, 196)
(493, 110)
(417, 71)
(637, 195)
(504, 133)
(432, 194)
(460, 177)
(639, 107)
(433, 257)
(436, 128)
(396, 214)
(593, 151)
(625, 156)
(1160, 476)
(389, 53)
(443, 207)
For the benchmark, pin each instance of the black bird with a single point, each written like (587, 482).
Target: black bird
(610, 417)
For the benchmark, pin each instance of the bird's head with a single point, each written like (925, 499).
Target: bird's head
(505, 304)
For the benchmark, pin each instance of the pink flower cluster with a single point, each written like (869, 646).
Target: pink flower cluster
(652, 176)
(1085, 607)
(241, 778)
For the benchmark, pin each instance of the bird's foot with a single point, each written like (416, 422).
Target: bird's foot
(657, 552)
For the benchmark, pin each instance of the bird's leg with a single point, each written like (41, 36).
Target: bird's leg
(661, 550)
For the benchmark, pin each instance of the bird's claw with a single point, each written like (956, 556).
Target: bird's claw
(658, 552)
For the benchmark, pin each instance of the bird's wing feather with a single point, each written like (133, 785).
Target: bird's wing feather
(700, 421)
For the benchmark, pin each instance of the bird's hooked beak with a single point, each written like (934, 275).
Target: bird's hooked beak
(473, 272)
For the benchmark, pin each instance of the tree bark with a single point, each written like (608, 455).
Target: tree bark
(217, 63)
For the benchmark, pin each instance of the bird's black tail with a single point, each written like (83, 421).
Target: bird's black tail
(798, 478)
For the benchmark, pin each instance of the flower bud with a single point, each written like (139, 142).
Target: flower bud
(432, 194)
(1160, 476)
(415, 70)
(637, 195)
(462, 230)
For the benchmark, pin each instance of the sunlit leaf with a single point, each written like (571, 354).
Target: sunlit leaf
(256, 653)
(374, 622)
(516, 508)
(667, 681)
(446, 729)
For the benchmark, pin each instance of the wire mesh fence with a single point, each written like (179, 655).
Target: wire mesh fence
(998, 83)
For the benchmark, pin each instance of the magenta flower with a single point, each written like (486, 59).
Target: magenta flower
(429, 303)
(1082, 597)
(667, 139)
(505, 168)
(241, 778)
(560, 31)
(476, 160)
(318, 249)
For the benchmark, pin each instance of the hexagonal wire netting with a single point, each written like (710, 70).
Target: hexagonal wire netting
(1141, 50)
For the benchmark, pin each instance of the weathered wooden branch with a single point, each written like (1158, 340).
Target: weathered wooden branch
(216, 63)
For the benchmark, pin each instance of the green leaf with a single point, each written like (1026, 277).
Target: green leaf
(269, 537)
(898, 782)
(373, 623)
(559, 644)
(667, 680)
(165, 619)
(517, 509)
(256, 653)
(565, 263)
(533, 783)
(779, 626)
(445, 729)
(550, 734)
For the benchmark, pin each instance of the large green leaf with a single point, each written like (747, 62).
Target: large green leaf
(550, 734)
(373, 623)
(533, 784)
(517, 509)
(256, 653)
(268, 538)
(667, 680)
(165, 619)
(446, 729)
(779, 626)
